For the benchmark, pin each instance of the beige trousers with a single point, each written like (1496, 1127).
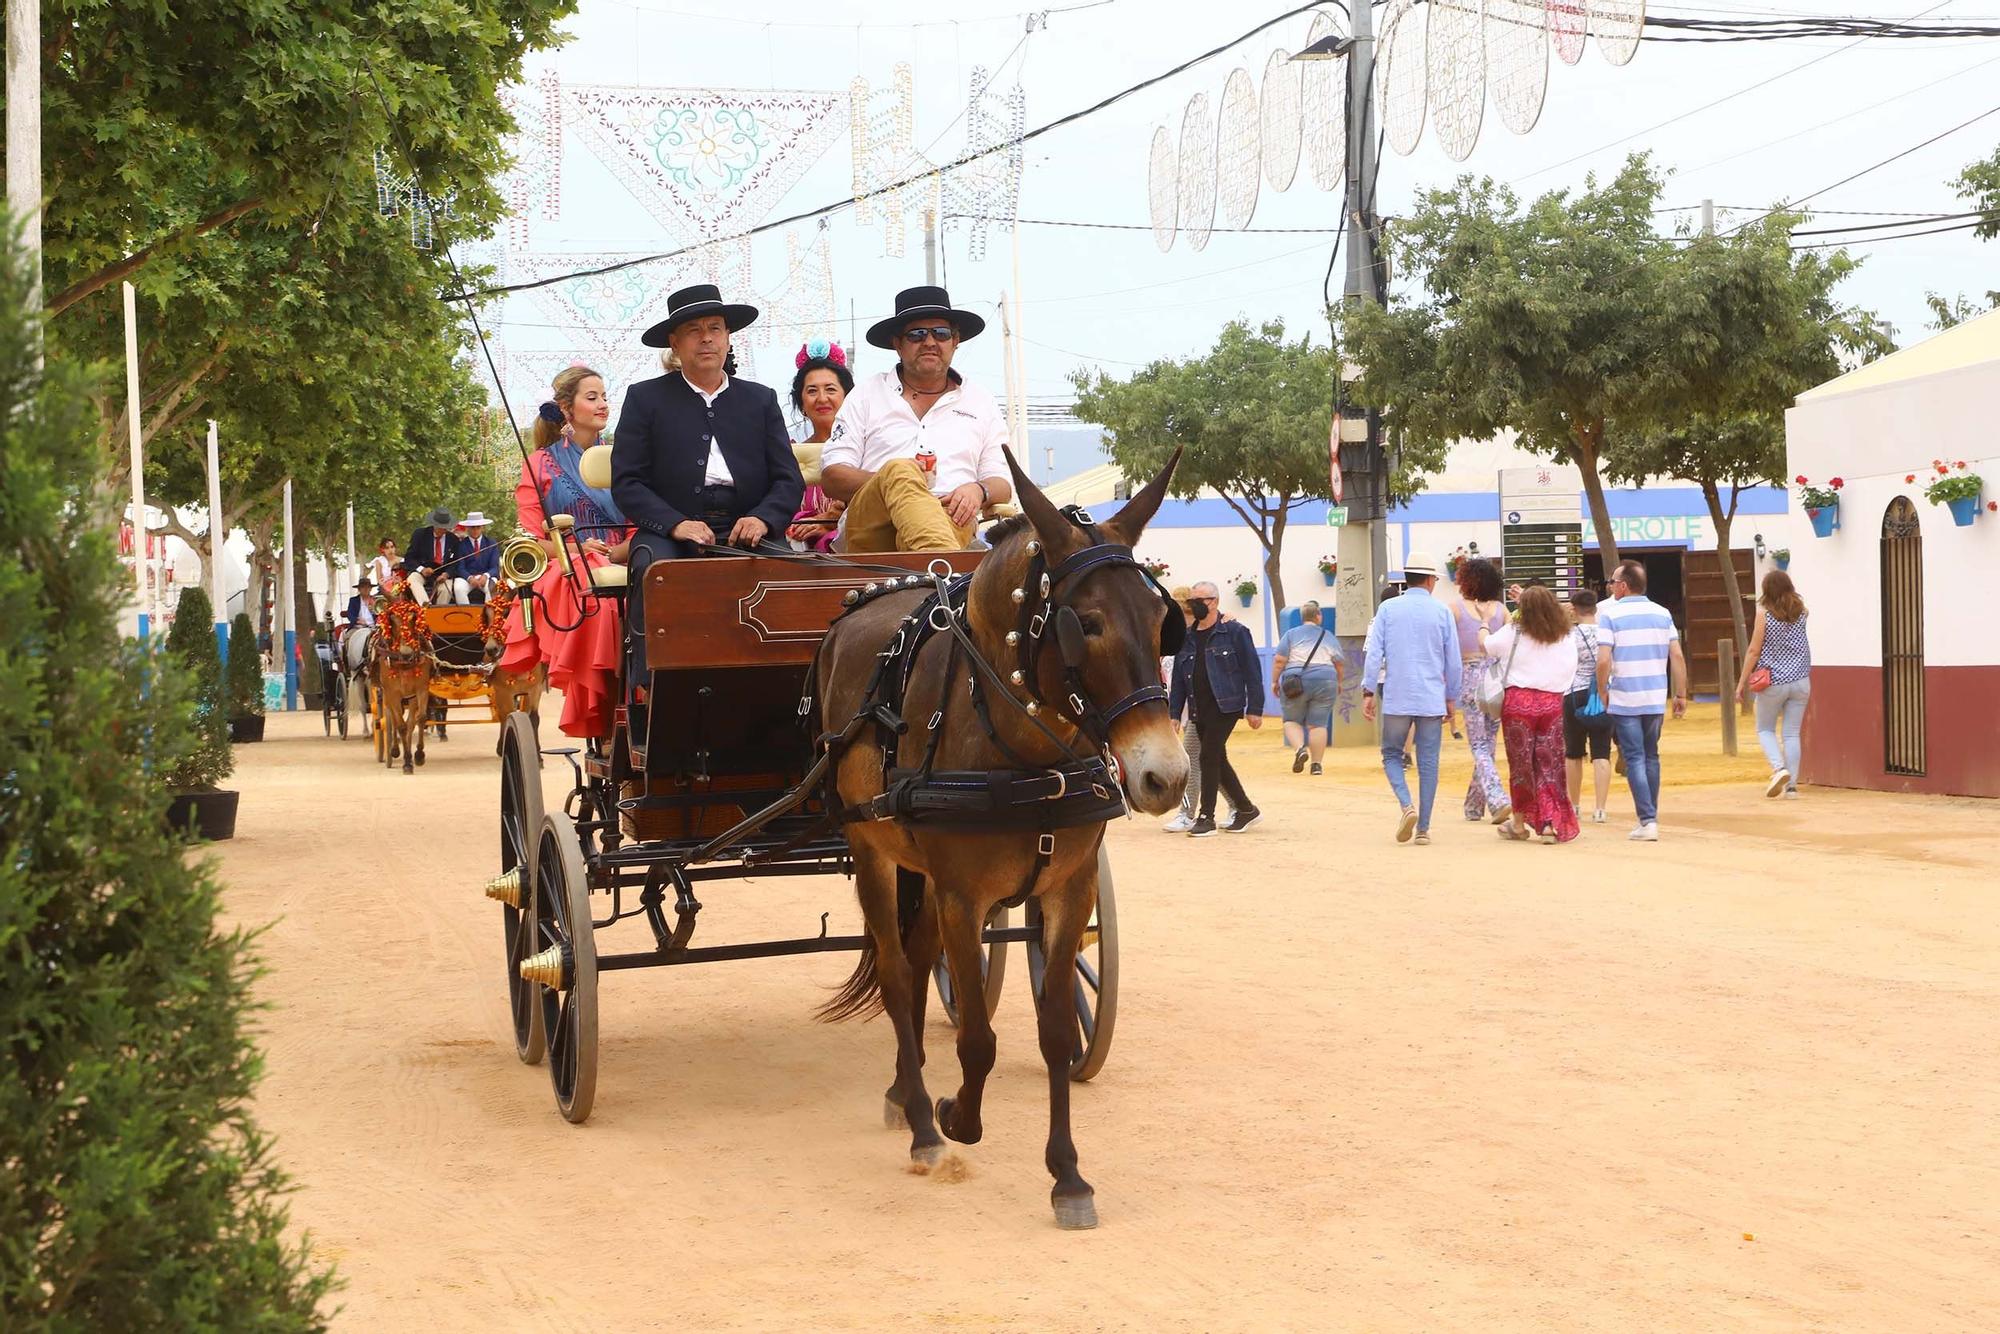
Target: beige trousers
(896, 511)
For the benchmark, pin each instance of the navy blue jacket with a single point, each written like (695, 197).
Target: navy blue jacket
(659, 454)
(482, 556)
(421, 554)
(1234, 673)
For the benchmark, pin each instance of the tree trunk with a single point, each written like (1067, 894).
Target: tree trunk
(1273, 553)
(1585, 452)
(1722, 519)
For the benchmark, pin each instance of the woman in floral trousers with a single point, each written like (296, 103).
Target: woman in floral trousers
(1480, 611)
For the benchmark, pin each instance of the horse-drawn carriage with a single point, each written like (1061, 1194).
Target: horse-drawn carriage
(422, 667)
(765, 743)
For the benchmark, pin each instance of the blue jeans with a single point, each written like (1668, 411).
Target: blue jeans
(1787, 701)
(1395, 731)
(1638, 738)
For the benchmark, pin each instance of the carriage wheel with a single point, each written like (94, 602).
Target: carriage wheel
(992, 969)
(339, 699)
(520, 830)
(1096, 975)
(568, 952)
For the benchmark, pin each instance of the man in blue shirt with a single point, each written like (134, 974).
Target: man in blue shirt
(481, 563)
(1412, 650)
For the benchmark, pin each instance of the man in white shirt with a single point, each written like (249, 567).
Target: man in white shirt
(916, 452)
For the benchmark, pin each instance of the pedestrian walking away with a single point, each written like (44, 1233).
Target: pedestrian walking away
(1586, 722)
(1536, 654)
(1183, 819)
(1639, 661)
(1412, 650)
(1305, 676)
(1216, 676)
(1479, 608)
(1777, 669)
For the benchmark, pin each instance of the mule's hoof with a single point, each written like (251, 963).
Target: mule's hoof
(892, 1115)
(923, 1157)
(945, 1107)
(407, 769)
(1075, 1213)
(420, 757)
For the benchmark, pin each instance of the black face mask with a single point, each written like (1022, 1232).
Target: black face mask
(1198, 609)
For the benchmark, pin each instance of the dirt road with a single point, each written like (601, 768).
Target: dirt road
(1741, 1079)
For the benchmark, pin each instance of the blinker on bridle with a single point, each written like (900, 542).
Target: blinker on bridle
(1044, 608)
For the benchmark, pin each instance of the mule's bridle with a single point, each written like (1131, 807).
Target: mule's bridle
(1043, 612)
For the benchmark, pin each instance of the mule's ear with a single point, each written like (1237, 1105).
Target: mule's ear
(1131, 521)
(1048, 521)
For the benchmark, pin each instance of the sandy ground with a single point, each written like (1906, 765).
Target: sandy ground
(1742, 1079)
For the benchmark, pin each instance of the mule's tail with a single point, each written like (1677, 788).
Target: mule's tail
(860, 996)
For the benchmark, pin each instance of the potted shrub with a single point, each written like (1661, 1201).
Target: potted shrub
(192, 775)
(243, 682)
(1822, 504)
(1781, 557)
(1156, 568)
(1957, 489)
(1329, 568)
(1246, 589)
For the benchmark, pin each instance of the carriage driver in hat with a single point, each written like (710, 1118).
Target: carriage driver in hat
(698, 458)
(915, 452)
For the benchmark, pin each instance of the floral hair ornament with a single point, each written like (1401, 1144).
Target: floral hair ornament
(551, 414)
(821, 349)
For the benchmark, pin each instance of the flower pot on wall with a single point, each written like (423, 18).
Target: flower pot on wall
(1245, 597)
(1825, 519)
(1329, 576)
(1782, 562)
(1963, 510)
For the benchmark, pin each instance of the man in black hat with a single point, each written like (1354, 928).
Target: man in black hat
(915, 452)
(437, 554)
(699, 458)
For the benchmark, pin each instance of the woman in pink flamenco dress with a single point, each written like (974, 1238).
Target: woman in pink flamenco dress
(579, 640)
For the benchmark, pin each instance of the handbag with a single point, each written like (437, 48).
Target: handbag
(1492, 693)
(1760, 680)
(1292, 683)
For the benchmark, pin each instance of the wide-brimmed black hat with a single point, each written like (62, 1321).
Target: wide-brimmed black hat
(913, 303)
(692, 303)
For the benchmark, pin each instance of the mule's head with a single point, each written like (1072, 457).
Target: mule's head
(1103, 630)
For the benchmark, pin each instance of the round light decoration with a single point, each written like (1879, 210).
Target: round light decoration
(1281, 131)
(1455, 63)
(1517, 60)
(1237, 166)
(1567, 22)
(1399, 74)
(1163, 187)
(1197, 191)
(1616, 24)
(1324, 93)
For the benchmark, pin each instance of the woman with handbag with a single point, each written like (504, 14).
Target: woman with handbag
(1537, 658)
(1777, 669)
(1479, 611)
(1586, 722)
(1305, 676)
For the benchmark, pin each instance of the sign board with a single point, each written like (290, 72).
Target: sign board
(1336, 516)
(1546, 493)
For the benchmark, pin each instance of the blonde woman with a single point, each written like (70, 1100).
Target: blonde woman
(581, 650)
(1780, 659)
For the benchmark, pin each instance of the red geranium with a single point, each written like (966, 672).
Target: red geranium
(1993, 504)
(1911, 478)
(1800, 479)
(1960, 465)
(1836, 483)
(1942, 470)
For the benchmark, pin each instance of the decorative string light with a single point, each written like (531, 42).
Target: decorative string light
(1455, 64)
(989, 186)
(1281, 129)
(1517, 60)
(1324, 92)
(1400, 78)
(1163, 187)
(1238, 166)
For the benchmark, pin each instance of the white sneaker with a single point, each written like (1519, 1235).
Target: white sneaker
(1781, 779)
(1597, 817)
(1645, 833)
(1791, 794)
(1180, 824)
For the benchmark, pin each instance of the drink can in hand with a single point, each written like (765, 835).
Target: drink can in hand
(926, 459)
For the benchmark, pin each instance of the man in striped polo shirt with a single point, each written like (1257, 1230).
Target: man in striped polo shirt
(1638, 659)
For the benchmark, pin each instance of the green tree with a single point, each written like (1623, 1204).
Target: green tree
(244, 672)
(1250, 416)
(136, 1190)
(192, 652)
(1540, 320)
(1746, 325)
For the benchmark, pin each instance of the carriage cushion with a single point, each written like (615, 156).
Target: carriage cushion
(808, 457)
(609, 576)
(595, 467)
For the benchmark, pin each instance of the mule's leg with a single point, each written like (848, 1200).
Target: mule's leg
(920, 944)
(875, 877)
(418, 707)
(960, 929)
(1065, 912)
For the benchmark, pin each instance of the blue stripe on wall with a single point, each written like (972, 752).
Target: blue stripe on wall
(1484, 507)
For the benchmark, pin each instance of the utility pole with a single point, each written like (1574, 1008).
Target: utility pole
(24, 133)
(1364, 283)
(1708, 229)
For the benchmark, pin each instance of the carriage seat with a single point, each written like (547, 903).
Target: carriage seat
(595, 469)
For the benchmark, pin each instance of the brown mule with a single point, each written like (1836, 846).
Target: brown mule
(1115, 646)
(510, 692)
(399, 661)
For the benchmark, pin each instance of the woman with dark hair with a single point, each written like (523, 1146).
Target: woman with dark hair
(579, 646)
(1537, 658)
(1778, 669)
(1479, 612)
(821, 385)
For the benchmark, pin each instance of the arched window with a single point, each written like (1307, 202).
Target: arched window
(1902, 639)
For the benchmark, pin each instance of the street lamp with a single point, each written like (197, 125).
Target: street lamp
(1330, 47)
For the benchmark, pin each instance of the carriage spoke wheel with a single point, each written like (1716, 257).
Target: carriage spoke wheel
(520, 833)
(568, 956)
(1095, 976)
(340, 704)
(992, 970)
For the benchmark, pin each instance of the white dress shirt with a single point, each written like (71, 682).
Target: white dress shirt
(877, 425)
(718, 468)
(1535, 665)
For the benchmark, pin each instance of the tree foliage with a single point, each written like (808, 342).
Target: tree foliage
(136, 1191)
(243, 674)
(192, 654)
(1250, 416)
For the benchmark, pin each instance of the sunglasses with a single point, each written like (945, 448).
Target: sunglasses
(944, 333)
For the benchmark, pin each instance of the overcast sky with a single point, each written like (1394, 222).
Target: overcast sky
(1112, 298)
